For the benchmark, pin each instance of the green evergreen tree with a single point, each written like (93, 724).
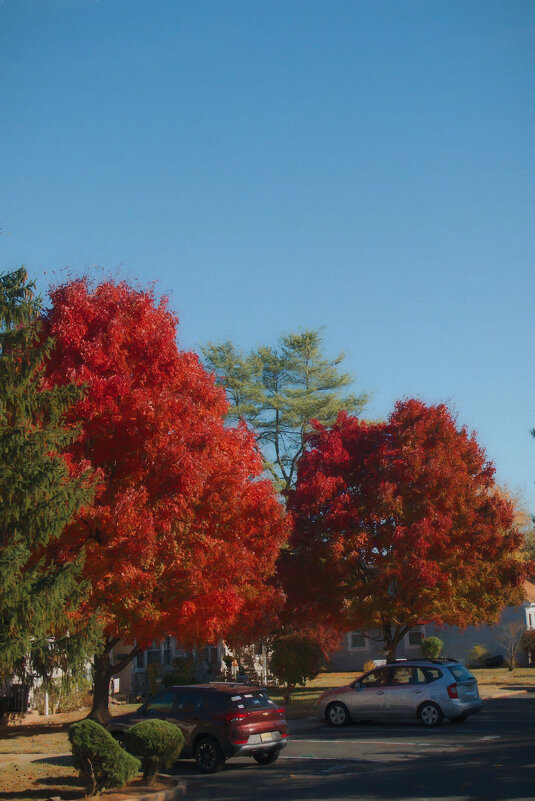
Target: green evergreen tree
(39, 491)
(278, 391)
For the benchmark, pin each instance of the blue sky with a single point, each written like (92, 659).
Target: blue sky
(366, 166)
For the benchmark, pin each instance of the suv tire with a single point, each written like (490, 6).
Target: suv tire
(430, 714)
(267, 757)
(118, 736)
(337, 714)
(208, 755)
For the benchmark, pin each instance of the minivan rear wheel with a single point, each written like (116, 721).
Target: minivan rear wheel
(430, 714)
(337, 714)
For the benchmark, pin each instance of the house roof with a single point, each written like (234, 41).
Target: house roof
(529, 588)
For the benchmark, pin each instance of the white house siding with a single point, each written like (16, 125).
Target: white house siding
(457, 642)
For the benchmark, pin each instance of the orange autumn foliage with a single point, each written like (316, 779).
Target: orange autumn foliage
(183, 534)
(399, 523)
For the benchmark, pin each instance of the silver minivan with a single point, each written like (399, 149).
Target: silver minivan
(424, 689)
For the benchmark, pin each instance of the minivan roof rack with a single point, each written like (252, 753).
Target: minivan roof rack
(437, 660)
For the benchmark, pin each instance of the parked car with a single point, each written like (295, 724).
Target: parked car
(218, 721)
(428, 689)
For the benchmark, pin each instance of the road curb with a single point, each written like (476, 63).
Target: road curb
(163, 795)
(158, 795)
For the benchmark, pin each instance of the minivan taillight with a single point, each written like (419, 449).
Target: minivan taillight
(235, 717)
(452, 691)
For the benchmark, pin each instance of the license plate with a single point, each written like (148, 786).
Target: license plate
(266, 736)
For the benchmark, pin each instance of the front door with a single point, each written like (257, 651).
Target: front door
(368, 698)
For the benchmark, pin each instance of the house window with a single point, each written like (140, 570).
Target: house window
(357, 641)
(415, 637)
(140, 661)
(154, 654)
(167, 651)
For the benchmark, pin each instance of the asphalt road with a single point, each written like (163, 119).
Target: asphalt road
(490, 756)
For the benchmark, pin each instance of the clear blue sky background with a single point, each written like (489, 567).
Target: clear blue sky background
(366, 166)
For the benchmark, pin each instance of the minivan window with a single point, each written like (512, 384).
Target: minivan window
(402, 675)
(378, 678)
(432, 673)
(460, 673)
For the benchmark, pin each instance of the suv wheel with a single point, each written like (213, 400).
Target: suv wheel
(430, 714)
(208, 755)
(267, 757)
(337, 714)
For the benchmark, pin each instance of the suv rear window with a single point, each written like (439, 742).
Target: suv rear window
(460, 673)
(254, 700)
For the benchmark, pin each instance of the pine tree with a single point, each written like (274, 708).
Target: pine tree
(279, 391)
(40, 490)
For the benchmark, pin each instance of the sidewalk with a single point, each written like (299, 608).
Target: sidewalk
(493, 691)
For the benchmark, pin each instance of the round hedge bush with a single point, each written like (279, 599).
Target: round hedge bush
(432, 647)
(99, 759)
(157, 743)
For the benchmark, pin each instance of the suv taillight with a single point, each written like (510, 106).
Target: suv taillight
(235, 717)
(281, 710)
(452, 691)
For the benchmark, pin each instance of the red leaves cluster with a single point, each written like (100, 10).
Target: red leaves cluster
(183, 534)
(400, 523)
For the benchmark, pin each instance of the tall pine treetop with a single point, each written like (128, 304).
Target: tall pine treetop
(39, 491)
(278, 391)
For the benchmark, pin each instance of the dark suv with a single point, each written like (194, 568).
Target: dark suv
(217, 720)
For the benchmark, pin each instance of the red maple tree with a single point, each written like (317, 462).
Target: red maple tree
(397, 524)
(183, 534)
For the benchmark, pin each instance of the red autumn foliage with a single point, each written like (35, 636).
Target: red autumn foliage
(183, 534)
(399, 523)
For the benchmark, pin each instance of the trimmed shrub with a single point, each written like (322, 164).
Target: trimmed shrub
(157, 743)
(432, 647)
(477, 655)
(63, 696)
(183, 672)
(99, 759)
(294, 660)
(527, 643)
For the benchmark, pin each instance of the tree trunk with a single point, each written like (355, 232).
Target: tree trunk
(103, 670)
(288, 693)
(392, 637)
(102, 673)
